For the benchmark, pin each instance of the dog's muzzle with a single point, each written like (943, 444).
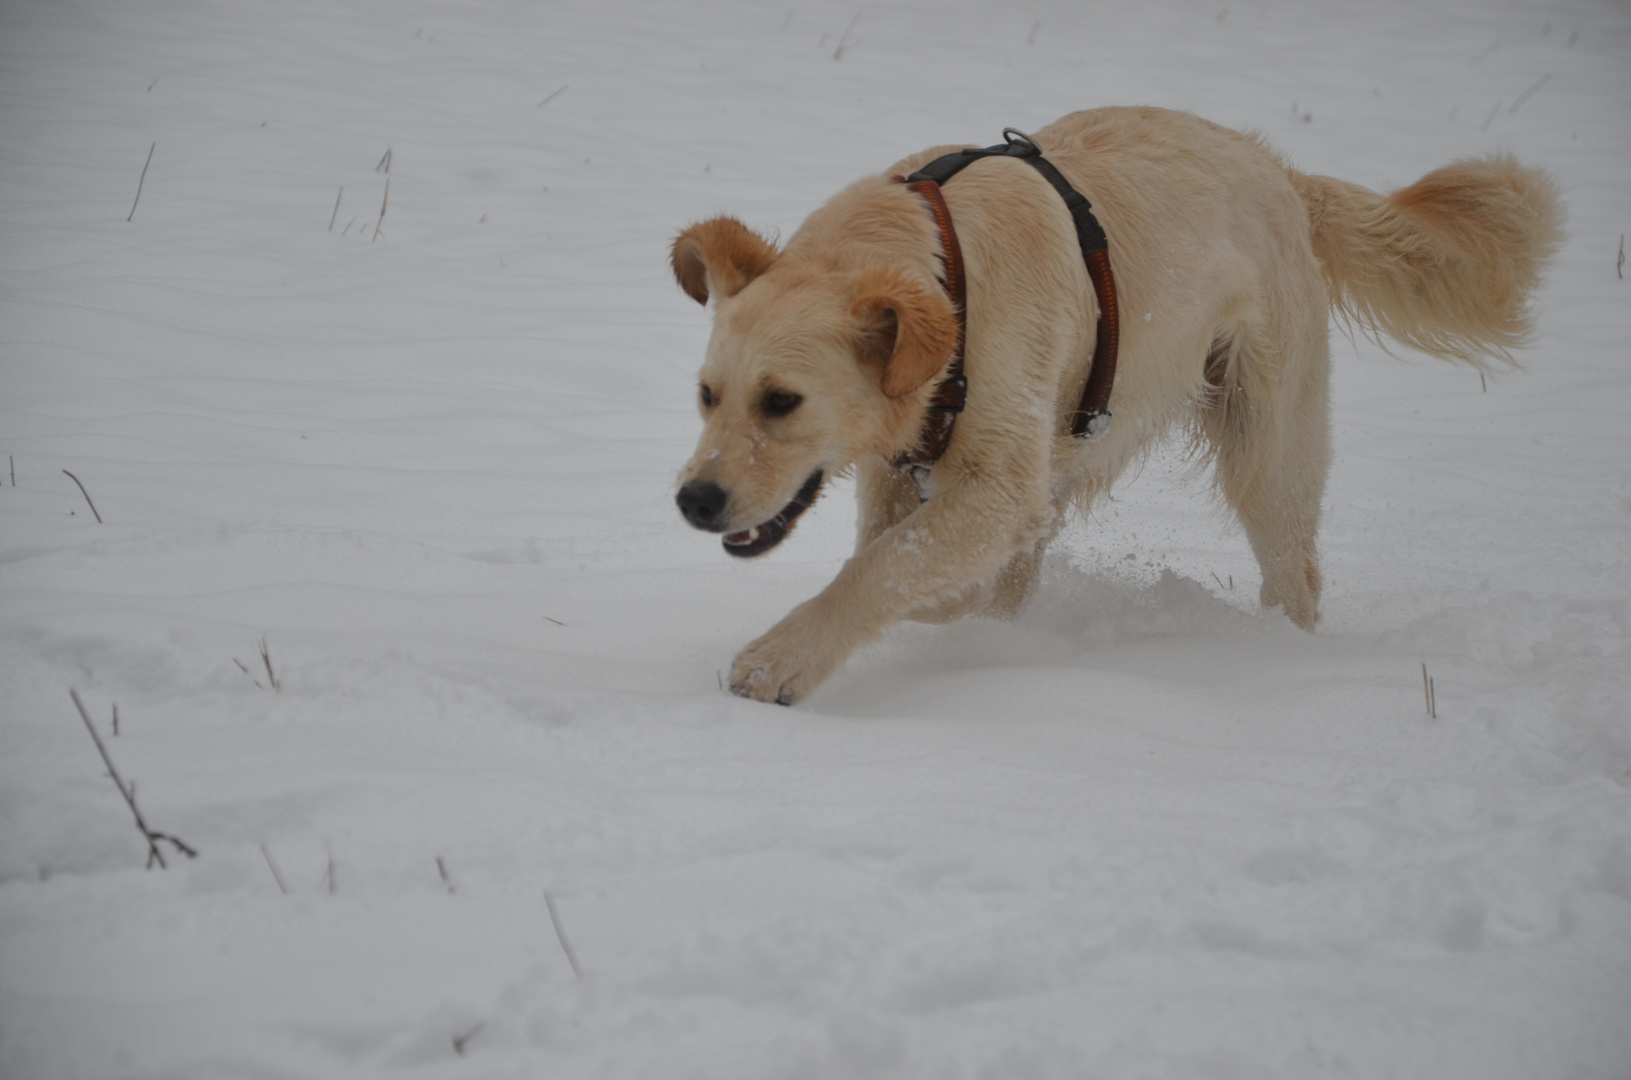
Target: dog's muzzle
(703, 505)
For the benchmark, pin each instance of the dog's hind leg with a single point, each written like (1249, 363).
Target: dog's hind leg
(1268, 420)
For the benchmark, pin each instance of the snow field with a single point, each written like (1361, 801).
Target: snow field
(1143, 831)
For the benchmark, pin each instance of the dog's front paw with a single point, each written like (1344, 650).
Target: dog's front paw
(787, 663)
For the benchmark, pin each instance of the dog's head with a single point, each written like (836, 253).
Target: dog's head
(810, 366)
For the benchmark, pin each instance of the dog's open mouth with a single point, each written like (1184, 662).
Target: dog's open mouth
(761, 538)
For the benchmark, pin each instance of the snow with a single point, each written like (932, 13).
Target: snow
(1145, 830)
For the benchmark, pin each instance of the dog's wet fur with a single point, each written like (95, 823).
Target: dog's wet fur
(1228, 263)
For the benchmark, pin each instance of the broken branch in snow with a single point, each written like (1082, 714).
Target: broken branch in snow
(143, 180)
(385, 202)
(560, 935)
(129, 792)
(82, 491)
(332, 218)
(272, 866)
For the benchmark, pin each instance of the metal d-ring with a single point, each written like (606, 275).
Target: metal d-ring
(1026, 145)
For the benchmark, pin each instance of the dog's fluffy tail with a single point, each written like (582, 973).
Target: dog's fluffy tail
(1445, 265)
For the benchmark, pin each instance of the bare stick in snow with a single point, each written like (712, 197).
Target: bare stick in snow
(441, 868)
(13, 460)
(348, 225)
(272, 866)
(551, 97)
(143, 180)
(266, 658)
(1217, 579)
(560, 935)
(1494, 110)
(843, 40)
(380, 224)
(461, 1041)
(332, 218)
(83, 492)
(129, 792)
(1427, 692)
(1527, 94)
(152, 84)
(384, 165)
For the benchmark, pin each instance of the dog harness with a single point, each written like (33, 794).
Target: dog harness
(1092, 417)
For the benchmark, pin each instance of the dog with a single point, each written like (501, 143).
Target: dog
(825, 355)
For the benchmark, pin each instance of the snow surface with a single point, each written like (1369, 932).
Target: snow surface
(1146, 830)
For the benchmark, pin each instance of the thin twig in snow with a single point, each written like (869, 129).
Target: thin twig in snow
(843, 39)
(13, 460)
(332, 218)
(560, 935)
(1527, 94)
(85, 493)
(441, 868)
(272, 866)
(551, 97)
(461, 1041)
(1619, 272)
(143, 180)
(1427, 692)
(116, 719)
(129, 792)
(266, 658)
(1494, 110)
(152, 84)
(384, 165)
(380, 224)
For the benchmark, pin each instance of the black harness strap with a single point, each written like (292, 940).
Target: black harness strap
(1092, 417)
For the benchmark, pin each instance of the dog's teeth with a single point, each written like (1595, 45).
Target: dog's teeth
(753, 534)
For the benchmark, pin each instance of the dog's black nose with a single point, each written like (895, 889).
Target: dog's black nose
(702, 503)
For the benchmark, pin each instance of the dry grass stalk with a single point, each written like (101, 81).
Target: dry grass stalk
(560, 935)
(143, 180)
(272, 866)
(380, 224)
(82, 491)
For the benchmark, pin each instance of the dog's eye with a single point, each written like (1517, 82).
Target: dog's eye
(705, 392)
(780, 403)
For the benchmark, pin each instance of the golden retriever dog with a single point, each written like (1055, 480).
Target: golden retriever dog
(825, 354)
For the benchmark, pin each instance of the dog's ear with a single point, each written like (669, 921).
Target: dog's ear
(719, 257)
(902, 327)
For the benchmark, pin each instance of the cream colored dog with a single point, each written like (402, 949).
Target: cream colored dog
(824, 355)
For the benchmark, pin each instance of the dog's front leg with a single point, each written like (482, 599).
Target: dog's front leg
(956, 541)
